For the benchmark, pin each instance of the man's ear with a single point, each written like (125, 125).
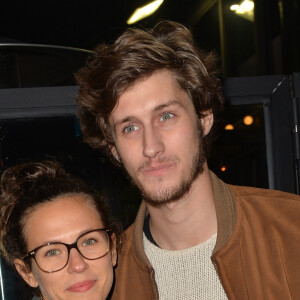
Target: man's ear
(207, 122)
(26, 274)
(115, 153)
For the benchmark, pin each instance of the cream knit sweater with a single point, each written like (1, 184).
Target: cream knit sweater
(185, 274)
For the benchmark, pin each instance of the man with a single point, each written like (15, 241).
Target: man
(150, 99)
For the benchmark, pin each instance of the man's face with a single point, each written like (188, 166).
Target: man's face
(158, 137)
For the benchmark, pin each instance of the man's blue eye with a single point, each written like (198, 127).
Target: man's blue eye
(130, 128)
(166, 116)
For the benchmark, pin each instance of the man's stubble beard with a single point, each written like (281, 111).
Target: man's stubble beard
(170, 195)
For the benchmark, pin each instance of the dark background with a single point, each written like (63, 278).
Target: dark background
(269, 44)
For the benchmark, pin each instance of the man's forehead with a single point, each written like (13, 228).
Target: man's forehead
(149, 93)
(126, 89)
(143, 78)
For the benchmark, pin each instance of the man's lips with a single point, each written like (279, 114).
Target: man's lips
(83, 286)
(157, 170)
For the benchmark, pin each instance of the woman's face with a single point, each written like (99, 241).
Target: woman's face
(63, 220)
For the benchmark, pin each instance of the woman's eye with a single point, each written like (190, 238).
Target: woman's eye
(166, 116)
(130, 128)
(52, 252)
(89, 242)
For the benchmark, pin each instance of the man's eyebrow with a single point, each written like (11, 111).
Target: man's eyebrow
(124, 120)
(167, 104)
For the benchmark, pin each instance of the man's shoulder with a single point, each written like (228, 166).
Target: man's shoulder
(127, 238)
(129, 230)
(128, 233)
(265, 202)
(245, 192)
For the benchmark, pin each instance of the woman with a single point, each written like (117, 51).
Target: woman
(57, 233)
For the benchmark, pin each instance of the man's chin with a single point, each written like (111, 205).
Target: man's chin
(166, 196)
(158, 202)
(160, 195)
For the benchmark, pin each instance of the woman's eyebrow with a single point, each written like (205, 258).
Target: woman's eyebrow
(60, 241)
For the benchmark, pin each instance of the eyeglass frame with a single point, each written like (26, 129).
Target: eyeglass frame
(31, 254)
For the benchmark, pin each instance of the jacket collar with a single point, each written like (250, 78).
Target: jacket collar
(225, 211)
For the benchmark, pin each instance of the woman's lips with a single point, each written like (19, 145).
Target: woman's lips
(81, 287)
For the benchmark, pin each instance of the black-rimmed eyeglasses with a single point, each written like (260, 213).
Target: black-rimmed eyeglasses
(54, 256)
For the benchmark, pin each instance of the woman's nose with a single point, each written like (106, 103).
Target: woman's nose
(76, 262)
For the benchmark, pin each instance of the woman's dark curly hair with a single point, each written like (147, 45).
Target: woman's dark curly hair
(26, 186)
(135, 55)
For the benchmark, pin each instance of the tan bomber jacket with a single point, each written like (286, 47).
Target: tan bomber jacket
(257, 253)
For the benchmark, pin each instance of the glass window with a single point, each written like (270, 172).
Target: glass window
(238, 156)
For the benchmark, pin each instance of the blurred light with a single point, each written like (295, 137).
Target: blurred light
(248, 120)
(247, 5)
(234, 7)
(223, 168)
(244, 9)
(229, 127)
(144, 11)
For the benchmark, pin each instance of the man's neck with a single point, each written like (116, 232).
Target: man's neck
(188, 221)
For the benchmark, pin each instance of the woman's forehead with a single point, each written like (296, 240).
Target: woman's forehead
(61, 219)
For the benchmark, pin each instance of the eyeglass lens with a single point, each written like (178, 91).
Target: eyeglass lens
(54, 257)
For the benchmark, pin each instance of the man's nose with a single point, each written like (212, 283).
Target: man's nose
(76, 262)
(152, 142)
